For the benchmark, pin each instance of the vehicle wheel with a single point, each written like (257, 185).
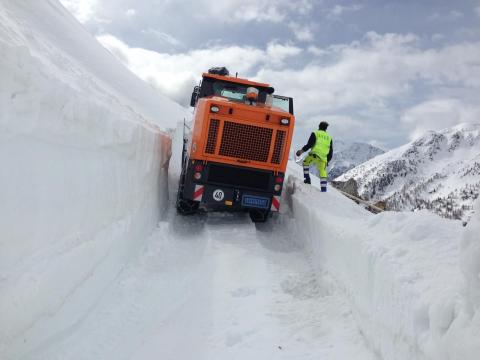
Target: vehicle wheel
(187, 207)
(259, 216)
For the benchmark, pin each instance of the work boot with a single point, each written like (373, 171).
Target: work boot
(307, 181)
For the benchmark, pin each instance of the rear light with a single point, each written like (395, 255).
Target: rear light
(285, 121)
(198, 168)
(277, 187)
(214, 109)
(278, 180)
(197, 176)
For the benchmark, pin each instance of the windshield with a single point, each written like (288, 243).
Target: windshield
(235, 93)
(282, 103)
(232, 91)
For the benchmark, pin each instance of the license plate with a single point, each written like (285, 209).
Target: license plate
(255, 201)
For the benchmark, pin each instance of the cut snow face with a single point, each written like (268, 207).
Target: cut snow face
(439, 172)
(84, 161)
(402, 273)
(43, 37)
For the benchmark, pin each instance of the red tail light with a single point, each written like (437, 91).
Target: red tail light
(278, 180)
(198, 168)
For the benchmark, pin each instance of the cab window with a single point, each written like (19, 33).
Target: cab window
(235, 93)
(283, 102)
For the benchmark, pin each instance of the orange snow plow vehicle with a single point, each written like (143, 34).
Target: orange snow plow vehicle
(236, 154)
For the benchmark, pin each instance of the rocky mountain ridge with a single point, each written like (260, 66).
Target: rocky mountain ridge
(348, 155)
(439, 171)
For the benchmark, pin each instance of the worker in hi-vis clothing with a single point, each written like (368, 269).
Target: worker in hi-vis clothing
(321, 145)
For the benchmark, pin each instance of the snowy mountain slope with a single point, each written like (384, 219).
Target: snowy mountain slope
(348, 155)
(84, 163)
(439, 172)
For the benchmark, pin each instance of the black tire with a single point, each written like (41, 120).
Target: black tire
(185, 206)
(259, 216)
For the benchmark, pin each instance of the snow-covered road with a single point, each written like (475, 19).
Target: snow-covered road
(216, 287)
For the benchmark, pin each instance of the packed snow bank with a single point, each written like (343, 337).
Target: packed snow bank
(468, 326)
(471, 259)
(83, 174)
(401, 272)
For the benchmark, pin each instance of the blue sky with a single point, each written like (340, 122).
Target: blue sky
(382, 72)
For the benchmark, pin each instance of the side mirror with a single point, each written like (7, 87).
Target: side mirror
(193, 99)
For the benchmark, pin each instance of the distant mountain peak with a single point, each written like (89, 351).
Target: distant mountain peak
(348, 155)
(438, 171)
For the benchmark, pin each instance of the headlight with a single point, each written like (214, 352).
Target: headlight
(215, 109)
(284, 121)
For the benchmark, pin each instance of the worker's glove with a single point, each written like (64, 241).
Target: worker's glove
(299, 152)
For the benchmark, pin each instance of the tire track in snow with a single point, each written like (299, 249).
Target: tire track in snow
(216, 287)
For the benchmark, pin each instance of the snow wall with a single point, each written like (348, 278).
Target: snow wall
(413, 283)
(84, 155)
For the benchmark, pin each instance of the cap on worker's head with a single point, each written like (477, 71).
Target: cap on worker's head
(323, 125)
(252, 93)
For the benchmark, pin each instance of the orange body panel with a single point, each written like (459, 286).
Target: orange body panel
(256, 138)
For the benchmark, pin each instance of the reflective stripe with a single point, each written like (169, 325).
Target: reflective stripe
(198, 193)
(323, 184)
(275, 203)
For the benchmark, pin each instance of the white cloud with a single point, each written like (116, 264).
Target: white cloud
(131, 12)
(175, 74)
(455, 15)
(366, 78)
(316, 51)
(437, 37)
(361, 83)
(338, 10)
(277, 53)
(83, 10)
(359, 74)
(437, 114)
(251, 10)
(451, 16)
(162, 36)
(301, 32)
